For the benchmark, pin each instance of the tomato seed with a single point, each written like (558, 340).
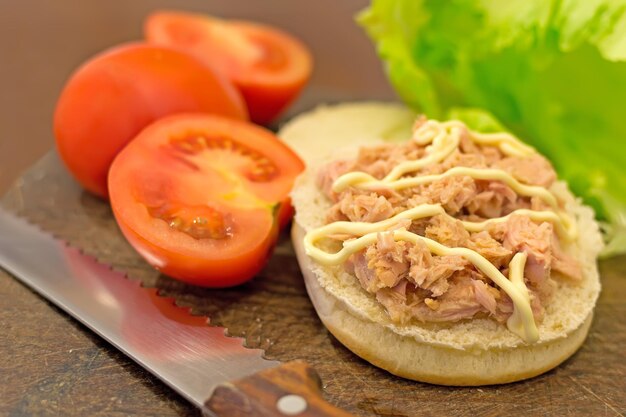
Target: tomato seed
(201, 140)
(199, 222)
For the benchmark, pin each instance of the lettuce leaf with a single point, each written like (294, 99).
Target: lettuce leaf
(551, 71)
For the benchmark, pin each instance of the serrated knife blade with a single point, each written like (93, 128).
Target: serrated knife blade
(213, 371)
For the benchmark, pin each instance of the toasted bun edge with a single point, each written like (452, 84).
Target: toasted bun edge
(407, 357)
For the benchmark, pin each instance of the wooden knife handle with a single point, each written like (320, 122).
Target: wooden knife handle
(292, 389)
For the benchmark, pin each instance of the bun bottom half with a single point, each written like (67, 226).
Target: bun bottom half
(407, 357)
(472, 352)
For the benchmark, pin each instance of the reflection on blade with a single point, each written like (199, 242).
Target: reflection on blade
(180, 349)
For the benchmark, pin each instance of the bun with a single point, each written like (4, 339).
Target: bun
(479, 351)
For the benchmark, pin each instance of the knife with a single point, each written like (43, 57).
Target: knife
(211, 370)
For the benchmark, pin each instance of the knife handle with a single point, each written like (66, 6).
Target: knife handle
(292, 389)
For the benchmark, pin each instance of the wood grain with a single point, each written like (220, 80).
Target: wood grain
(50, 365)
(258, 395)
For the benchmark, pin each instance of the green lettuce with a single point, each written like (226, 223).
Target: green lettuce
(551, 71)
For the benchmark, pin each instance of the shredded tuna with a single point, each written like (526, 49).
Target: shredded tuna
(523, 235)
(365, 207)
(564, 263)
(334, 214)
(535, 169)
(421, 260)
(366, 276)
(504, 308)
(490, 249)
(484, 295)
(453, 193)
(448, 232)
(493, 199)
(395, 300)
(412, 283)
(379, 160)
(419, 226)
(535, 304)
(329, 173)
(443, 267)
(489, 154)
(387, 258)
(458, 303)
(432, 272)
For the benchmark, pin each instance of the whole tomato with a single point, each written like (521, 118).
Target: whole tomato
(114, 95)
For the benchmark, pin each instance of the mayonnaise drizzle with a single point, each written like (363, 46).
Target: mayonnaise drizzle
(443, 139)
(507, 143)
(446, 137)
(522, 322)
(366, 181)
(567, 231)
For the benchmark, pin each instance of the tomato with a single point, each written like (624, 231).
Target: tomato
(268, 66)
(114, 95)
(198, 195)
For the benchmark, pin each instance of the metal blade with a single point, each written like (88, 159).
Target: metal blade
(180, 349)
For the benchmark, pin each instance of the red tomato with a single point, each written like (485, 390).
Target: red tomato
(197, 196)
(114, 95)
(268, 66)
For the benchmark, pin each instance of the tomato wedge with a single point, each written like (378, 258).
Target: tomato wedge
(197, 196)
(269, 66)
(114, 95)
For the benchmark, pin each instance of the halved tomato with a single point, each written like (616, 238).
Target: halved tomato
(269, 66)
(114, 95)
(198, 195)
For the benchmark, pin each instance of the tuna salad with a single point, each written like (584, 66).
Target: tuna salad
(407, 278)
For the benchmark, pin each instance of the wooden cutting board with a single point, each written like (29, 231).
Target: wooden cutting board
(50, 365)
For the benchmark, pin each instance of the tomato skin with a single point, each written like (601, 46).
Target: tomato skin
(266, 94)
(157, 179)
(268, 66)
(285, 213)
(113, 96)
(214, 273)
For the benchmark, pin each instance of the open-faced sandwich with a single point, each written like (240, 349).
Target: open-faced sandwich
(438, 253)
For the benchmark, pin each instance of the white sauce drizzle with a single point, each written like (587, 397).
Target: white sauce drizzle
(444, 138)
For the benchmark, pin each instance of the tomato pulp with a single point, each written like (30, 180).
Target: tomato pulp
(198, 196)
(269, 66)
(110, 98)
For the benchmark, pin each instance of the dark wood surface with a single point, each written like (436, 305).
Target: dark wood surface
(50, 365)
